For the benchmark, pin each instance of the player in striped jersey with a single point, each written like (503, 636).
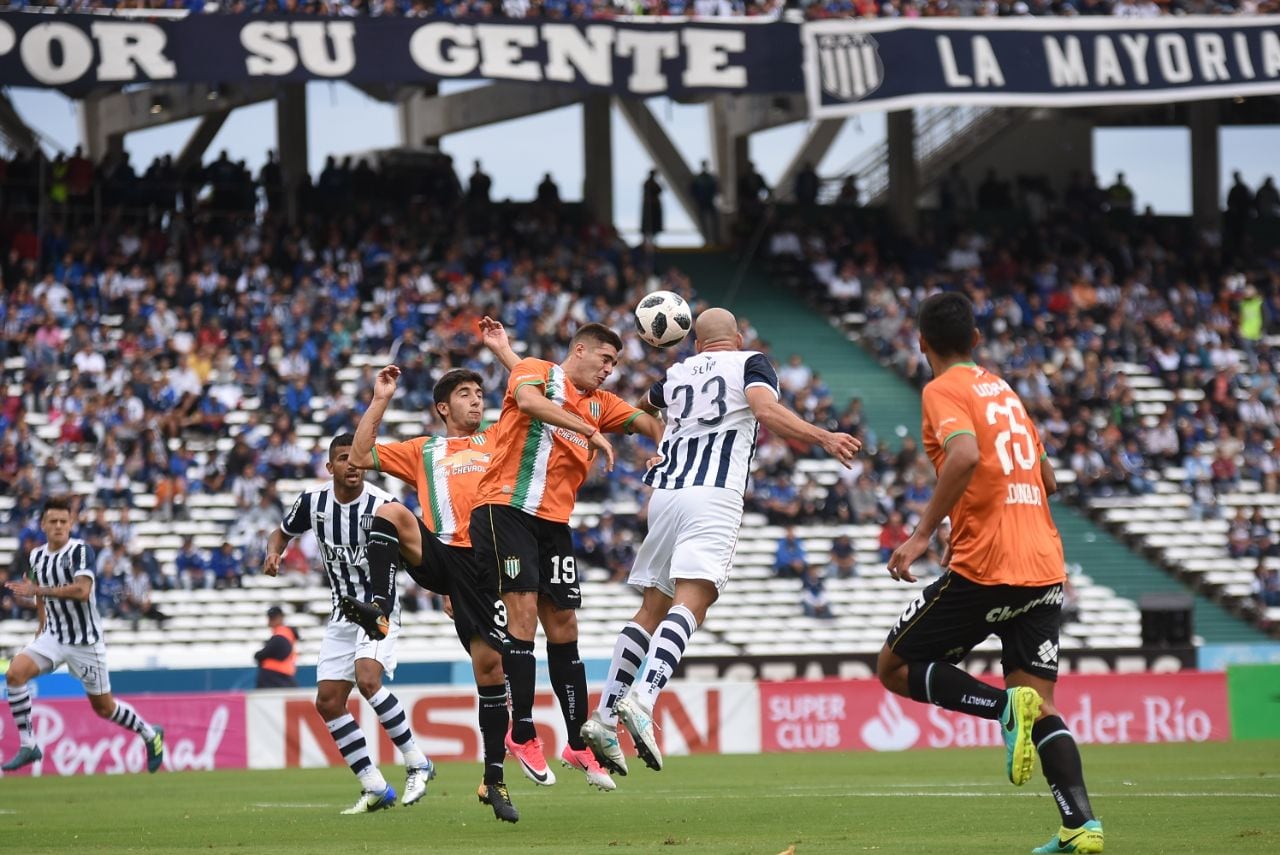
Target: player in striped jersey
(436, 549)
(714, 402)
(61, 584)
(553, 422)
(340, 513)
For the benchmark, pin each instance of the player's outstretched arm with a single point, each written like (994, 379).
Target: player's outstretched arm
(277, 542)
(647, 425)
(531, 402)
(953, 479)
(494, 337)
(1049, 477)
(781, 421)
(81, 589)
(384, 389)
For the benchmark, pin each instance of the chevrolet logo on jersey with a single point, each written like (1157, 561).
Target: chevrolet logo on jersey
(466, 460)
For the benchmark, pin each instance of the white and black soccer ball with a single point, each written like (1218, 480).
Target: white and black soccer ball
(663, 319)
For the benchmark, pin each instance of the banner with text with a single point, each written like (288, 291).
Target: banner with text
(281, 729)
(286, 732)
(202, 731)
(850, 715)
(843, 66)
(853, 65)
(76, 52)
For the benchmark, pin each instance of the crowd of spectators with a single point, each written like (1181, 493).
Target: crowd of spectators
(1075, 293)
(174, 331)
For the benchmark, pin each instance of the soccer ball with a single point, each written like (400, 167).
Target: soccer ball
(663, 319)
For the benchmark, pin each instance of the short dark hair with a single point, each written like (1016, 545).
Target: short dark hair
(451, 380)
(946, 322)
(342, 440)
(598, 333)
(55, 503)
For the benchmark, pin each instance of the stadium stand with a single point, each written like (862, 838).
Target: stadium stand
(181, 372)
(263, 342)
(1146, 353)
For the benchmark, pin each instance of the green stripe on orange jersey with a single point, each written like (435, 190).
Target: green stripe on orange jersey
(433, 489)
(531, 477)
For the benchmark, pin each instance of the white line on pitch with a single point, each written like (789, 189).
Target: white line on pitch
(288, 805)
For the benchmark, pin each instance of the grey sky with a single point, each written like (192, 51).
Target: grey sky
(342, 119)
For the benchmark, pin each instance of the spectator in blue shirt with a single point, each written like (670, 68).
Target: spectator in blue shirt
(226, 567)
(813, 596)
(790, 561)
(192, 567)
(297, 398)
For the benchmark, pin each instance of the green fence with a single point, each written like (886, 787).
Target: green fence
(1254, 694)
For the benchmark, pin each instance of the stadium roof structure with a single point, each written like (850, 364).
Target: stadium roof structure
(951, 87)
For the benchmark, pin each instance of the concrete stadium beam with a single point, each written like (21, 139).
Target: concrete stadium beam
(666, 157)
(1206, 157)
(107, 117)
(428, 117)
(747, 114)
(291, 141)
(904, 180)
(198, 143)
(729, 155)
(815, 147)
(15, 130)
(386, 93)
(597, 157)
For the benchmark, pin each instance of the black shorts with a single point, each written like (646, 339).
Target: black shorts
(953, 615)
(452, 571)
(520, 552)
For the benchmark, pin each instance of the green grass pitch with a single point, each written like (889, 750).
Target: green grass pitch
(1210, 798)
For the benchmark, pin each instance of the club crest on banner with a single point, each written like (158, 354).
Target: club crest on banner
(849, 65)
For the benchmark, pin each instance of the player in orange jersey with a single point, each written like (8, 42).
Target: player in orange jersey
(1004, 569)
(553, 422)
(436, 549)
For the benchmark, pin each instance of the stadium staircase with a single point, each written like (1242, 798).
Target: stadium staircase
(944, 136)
(892, 409)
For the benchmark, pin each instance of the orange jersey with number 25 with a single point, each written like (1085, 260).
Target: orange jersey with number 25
(1001, 530)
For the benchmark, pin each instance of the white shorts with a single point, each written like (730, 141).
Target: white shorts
(344, 643)
(86, 662)
(693, 532)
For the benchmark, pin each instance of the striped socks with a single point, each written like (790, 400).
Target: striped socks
(396, 724)
(20, 706)
(665, 650)
(628, 653)
(128, 718)
(350, 741)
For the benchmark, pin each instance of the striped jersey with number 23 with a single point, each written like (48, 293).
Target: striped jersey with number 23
(342, 533)
(710, 436)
